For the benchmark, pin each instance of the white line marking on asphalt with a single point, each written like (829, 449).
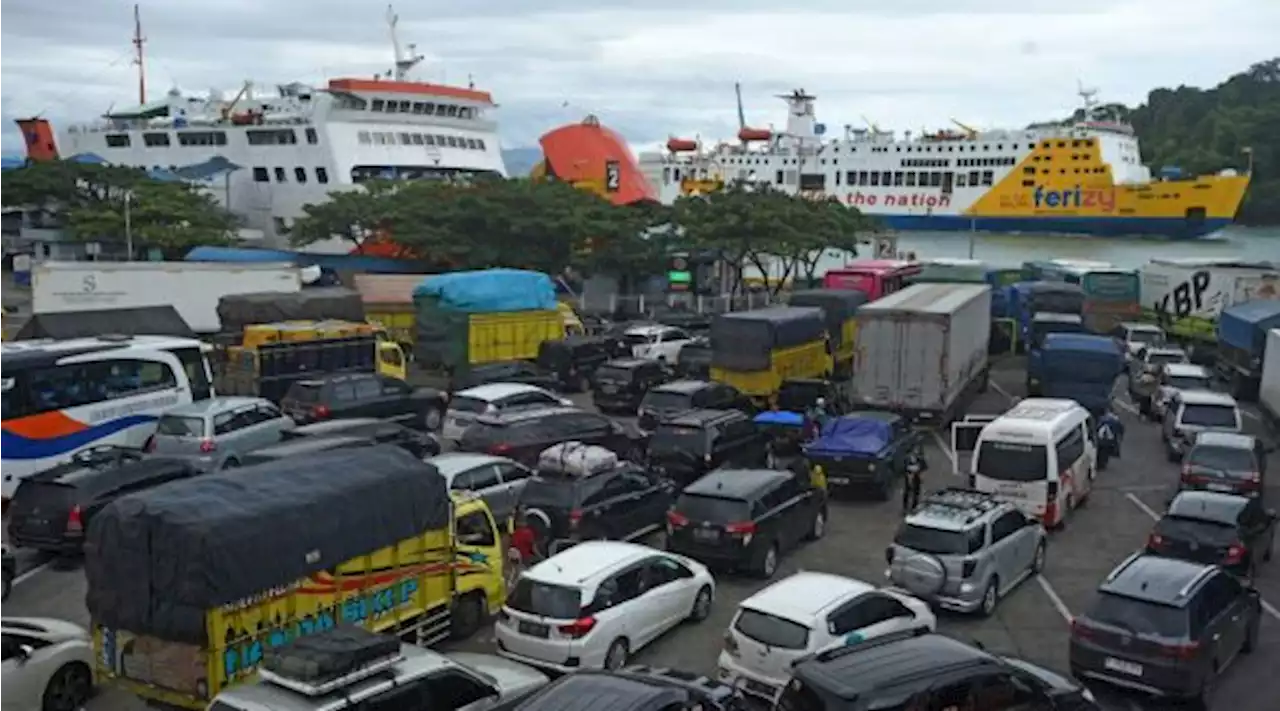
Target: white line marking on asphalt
(1053, 597)
(1124, 405)
(946, 449)
(31, 573)
(1251, 415)
(996, 387)
(1266, 606)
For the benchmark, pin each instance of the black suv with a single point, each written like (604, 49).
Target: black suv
(573, 360)
(1223, 529)
(51, 510)
(509, 371)
(666, 400)
(1165, 626)
(746, 518)
(637, 688)
(921, 670)
(364, 395)
(619, 504)
(1227, 462)
(523, 434)
(692, 443)
(419, 444)
(621, 383)
(694, 359)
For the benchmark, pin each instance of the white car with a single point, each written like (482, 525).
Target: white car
(804, 614)
(1135, 336)
(1175, 378)
(599, 602)
(491, 399)
(656, 342)
(48, 664)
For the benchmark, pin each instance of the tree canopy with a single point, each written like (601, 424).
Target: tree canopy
(1203, 131)
(89, 201)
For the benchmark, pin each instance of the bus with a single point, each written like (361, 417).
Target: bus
(1112, 295)
(873, 277)
(64, 397)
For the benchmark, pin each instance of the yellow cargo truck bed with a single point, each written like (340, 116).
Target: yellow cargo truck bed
(514, 335)
(807, 360)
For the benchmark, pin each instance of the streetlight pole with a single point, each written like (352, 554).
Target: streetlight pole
(128, 226)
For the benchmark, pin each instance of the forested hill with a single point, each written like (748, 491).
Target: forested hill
(1203, 131)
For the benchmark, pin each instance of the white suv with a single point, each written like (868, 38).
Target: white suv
(594, 605)
(656, 342)
(804, 614)
(1194, 411)
(491, 399)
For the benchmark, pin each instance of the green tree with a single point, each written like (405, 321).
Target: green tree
(355, 215)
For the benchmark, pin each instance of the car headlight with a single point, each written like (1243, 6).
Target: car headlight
(1087, 695)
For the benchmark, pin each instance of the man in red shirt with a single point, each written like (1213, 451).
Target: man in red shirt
(523, 538)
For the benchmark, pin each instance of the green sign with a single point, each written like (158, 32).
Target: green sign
(680, 277)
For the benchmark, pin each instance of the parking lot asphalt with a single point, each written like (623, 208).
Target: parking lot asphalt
(1032, 622)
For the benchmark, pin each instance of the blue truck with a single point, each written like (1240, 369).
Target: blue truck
(1025, 299)
(1076, 366)
(1242, 341)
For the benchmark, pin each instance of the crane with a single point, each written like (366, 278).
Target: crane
(971, 132)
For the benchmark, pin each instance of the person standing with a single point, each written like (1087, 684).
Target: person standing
(915, 466)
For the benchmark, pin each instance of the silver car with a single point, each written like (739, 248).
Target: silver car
(963, 550)
(497, 480)
(1175, 378)
(1194, 411)
(218, 432)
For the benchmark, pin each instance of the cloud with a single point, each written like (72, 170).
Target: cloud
(668, 68)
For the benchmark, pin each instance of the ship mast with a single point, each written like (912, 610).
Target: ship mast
(138, 42)
(404, 60)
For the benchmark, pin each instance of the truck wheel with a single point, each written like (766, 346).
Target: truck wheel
(468, 615)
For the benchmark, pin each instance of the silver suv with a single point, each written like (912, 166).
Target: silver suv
(963, 550)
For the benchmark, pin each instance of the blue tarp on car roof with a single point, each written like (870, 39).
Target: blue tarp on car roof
(780, 417)
(852, 434)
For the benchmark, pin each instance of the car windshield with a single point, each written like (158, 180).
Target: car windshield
(637, 339)
(1227, 459)
(1189, 382)
(178, 426)
(1012, 461)
(660, 400)
(466, 403)
(1210, 416)
(1158, 359)
(713, 509)
(614, 374)
(545, 600)
(770, 630)
(305, 392)
(932, 540)
(1139, 617)
(673, 438)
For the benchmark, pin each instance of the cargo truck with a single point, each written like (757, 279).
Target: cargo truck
(1269, 385)
(1242, 338)
(756, 351)
(1186, 296)
(1076, 366)
(839, 308)
(191, 583)
(922, 351)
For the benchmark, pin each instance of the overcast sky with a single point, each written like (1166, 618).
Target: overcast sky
(649, 69)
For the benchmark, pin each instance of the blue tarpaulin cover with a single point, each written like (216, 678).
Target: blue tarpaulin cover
(1245, 325)
(490, 291)
(852, 434)
(780, 417)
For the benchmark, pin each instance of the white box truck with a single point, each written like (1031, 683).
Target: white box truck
(1269, 386)
(922, 351)
(192, 288)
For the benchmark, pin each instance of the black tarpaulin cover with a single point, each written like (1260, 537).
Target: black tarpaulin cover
(838, 305)
(235, 311)
(157, 560)
(744, 340)
(140, 321)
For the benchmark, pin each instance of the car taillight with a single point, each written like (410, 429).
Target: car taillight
(730, 643)
(1155, 541)
(150, 444)
(575, 518)
(321, 412)
(500, 449)
(1180, 651)
(1235, 553)
(579, 628)
(1080, 630)
(744, 528)
(677, 519)
(75, 524)
(208, 445)
(967, 568)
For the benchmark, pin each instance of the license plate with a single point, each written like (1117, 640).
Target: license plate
(609, 389)
(1224, 488)
(534, 629)
(838, 479)
(1122, 666)
(706, 534)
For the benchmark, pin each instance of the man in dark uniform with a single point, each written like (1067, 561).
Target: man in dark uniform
(915, 467)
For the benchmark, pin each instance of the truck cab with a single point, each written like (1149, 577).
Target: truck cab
(1076, 366)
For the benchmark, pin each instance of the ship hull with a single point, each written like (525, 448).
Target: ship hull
(1170, 228)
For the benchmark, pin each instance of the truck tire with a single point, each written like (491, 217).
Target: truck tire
(467, 617)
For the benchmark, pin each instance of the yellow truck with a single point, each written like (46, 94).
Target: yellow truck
(755, 351)
(839, 309)
(190, 584)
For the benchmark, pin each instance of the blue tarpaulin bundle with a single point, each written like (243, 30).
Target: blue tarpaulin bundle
(780, 417)
(490, 291)
(852, 434)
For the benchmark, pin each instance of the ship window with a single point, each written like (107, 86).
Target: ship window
(453, 141)
(897, 177)
(480, 144)
(155, 139)
(1029, 170)
(1028, 183)
(441, 109)
(322, 175)
(911, 179)
(1075, 144)
(260, 175)
(1088, 143)
(117, 140)
(280, 177)
(272, 137)
(312, 137)
(851, 177)
(379, 105)
(988, 177)
(960, 182)
(778, 178)
(935, 179)
(429, 139)
(875, 178)
(202, 138)
(837, 177)
(417, 139)
(418, 107)
(364, 137)
(405, 139)
(380, 138)
(973, 177)
(300, 175)
(471, 143)
(886, 178)
(281, 226)
(452, 111)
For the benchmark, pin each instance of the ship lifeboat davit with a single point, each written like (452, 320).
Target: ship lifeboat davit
(747, 135)
(595, 158)
(682, 145)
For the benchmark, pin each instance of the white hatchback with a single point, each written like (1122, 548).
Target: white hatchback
(596, 604)
(491, 399)
(804, 614)
(48, 664)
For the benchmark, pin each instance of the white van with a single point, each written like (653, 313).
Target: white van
(1040, 456)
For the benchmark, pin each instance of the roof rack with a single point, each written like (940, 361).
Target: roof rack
(577, 459)
(323, 663)
(957, 501)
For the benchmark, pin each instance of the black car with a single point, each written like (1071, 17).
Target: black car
(51, 510)
(620, 384)
(668, 399)
(573, 360)
(619, 504)
(637, 688)
(921, 670)
(694, 359)
(1223, 529)
(304, 445)
(746, 518)
(692, 443)
(1165, 626)
(419, 444)
(364, 395)
(511, 371)
(1225, 462)
(523, 435)
(801, 394)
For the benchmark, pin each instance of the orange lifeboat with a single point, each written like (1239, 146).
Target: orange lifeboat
(754, 134)
(681, 145)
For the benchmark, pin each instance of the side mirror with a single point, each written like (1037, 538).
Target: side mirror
(24, 652)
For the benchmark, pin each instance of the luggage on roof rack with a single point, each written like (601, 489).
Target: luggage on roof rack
(321, 663)
(576, 459)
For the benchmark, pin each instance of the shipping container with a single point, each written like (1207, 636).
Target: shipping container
(1186, 296)
(923, 349)
(1269, 388)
